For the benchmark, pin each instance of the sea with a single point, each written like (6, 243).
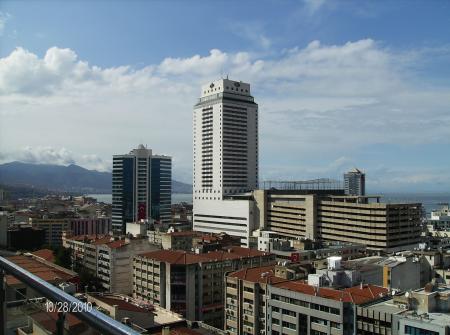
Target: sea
(430, 201)
(176, 198)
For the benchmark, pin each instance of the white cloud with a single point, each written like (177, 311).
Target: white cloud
(4, 17)
(195, 65)
(252, 31)
(314, 5)
(327, 99)
(43, 155)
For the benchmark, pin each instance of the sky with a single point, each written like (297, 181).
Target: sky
(340, 84)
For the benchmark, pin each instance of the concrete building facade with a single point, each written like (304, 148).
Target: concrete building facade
(380, 226)
(188, 283)
(90, 226)
(423, 311)
(258, 301)
(53, 228)
(225, 156)
(323, 216)
(108, 258)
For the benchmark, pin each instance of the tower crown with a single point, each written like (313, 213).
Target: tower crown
(227, 86)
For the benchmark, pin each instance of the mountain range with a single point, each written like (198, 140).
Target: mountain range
(66, 179)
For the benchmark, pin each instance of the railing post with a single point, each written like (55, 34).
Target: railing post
(60, 323)
(2, 303)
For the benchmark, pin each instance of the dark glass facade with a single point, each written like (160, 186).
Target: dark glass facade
(161, 189)
(140, 190)
(123, 202)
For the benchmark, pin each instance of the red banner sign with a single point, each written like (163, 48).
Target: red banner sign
(142, 211)
(295, 257)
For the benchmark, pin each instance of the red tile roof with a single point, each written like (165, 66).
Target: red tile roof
(262, 274)
(184, 257)
(357, 294)
(117, 244)
(99, 240)
(45, 254)
(175, 257)
(46, 272)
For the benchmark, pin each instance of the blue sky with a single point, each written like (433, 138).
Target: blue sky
(339, 83)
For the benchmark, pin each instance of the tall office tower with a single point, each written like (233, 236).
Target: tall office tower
(225, 126)
(137, 194)
(161, 189)
(225, 140)
(355, 182)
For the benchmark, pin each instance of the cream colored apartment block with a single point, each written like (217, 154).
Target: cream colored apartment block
(380, 226)
(191, 284)
(353, 219)
(287, 213)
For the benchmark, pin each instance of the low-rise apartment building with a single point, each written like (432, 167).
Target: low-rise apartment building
(422, 311)
(298, 308)
(399, 272)
(109, 258)
(188, 283)
(258, 301)
(246, 299)
(53, 228)
(90, 226)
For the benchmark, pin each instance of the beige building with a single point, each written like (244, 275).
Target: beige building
(53, 228)
(381, 226)
(108, 258)
(355, 219)
(188, 283)
(246, 300)
(288, 213)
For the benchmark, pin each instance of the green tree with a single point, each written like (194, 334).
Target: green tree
(87, 278)
(63, 257)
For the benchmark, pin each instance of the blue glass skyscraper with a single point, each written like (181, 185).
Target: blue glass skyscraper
(141, 189)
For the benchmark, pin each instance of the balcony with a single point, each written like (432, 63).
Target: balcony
(21, 313)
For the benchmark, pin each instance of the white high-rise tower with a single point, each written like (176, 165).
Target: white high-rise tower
(225, 126)
(225, 140)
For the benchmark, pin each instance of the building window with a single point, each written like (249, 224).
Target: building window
(289, 325)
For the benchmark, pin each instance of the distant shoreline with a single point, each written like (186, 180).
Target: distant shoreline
(176, 197)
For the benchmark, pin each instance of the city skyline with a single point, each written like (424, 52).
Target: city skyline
(331, 97)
